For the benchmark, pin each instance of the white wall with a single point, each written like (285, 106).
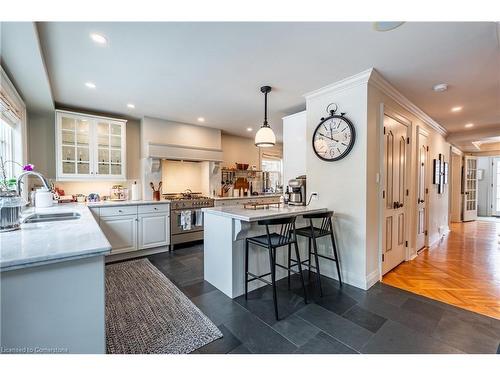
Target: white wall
(350, 186)
(294, 145)
(342, 185)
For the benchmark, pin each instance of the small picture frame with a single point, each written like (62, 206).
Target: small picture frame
(445, 174)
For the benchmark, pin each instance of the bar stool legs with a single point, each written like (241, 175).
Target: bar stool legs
(272, 262)
(335, 253)
(316, 261)
(246, 269)
(299, 263)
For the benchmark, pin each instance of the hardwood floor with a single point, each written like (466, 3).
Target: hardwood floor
(462, 270)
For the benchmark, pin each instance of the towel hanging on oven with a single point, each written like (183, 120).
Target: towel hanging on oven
(198, 218)
(186, 220)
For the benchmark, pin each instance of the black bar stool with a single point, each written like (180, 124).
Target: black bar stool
(312, 233)
(272, 241)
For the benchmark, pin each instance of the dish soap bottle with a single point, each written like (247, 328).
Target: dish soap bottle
(286, 196)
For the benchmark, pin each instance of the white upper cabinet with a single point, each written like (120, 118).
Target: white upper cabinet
(90, 147)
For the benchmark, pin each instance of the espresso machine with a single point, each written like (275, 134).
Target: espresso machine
(297, 195)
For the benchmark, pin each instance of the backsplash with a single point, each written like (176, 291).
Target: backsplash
(86, 187)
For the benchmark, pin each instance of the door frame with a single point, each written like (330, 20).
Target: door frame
(385, 110)
(425, 132)
(492, 197)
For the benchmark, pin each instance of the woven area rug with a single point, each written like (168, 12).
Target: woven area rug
(146, 313)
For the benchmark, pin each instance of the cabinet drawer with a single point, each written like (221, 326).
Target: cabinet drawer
(149, 208)
(117, 211)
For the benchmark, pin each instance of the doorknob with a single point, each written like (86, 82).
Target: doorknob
(395, 205)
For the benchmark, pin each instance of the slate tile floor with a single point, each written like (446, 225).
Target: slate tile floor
(346, 320)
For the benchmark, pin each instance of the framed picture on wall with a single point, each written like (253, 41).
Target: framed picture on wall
(445, 173)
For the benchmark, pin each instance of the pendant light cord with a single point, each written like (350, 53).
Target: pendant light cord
(265, 109)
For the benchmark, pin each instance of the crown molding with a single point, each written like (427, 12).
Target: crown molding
(294, 115)
(383, 85)
(346, 83)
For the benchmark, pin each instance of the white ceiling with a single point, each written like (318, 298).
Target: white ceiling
(180, 71)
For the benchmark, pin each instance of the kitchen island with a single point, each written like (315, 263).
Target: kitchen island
(52, 284)
(226, 229)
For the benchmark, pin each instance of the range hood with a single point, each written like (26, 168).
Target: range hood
(176, 152)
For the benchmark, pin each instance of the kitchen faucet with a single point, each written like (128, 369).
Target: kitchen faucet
(39, 175)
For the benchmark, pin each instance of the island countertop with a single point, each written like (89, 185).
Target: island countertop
(50, 242)
(246, 214)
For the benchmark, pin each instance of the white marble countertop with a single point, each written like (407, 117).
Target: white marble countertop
(124, 203)
(50, 242)
(245, 214)
(249, 197)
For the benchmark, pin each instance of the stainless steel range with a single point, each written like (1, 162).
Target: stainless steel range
(186, 217)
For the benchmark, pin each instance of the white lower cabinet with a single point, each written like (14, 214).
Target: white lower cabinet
(121, 232)
(154, 230)
(130, 228)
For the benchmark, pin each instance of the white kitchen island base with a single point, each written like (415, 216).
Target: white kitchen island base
(226, 229)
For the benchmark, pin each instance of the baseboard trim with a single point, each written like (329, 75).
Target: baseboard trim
(135, 254)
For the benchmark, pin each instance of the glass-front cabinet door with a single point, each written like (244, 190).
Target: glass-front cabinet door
(89, 147)
(110, 148)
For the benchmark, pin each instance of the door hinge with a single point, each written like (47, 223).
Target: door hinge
(383, 257)
(406, 243)
(383, 194)
(426, 191)
(384, 129)
(427, 148)
(407, 140)
(425, 233)
(407, 192)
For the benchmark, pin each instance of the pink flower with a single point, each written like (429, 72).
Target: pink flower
(28, 167)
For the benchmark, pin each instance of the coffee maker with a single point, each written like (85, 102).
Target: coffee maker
(297, 191)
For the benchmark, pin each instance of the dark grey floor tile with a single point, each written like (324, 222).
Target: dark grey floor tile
(423, 308)
(296, 329)
(342, 329)
(364, 318)
(469, 337)
(221, 346)
(388, 294)
(408, 318)
(394, 338)
(257, 336)
(260, 302)
(196, 289)
(217, 306)
(324, 344)
(242, 349)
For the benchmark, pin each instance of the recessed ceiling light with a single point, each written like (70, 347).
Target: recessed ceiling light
(201, 119)
(456, 109)
(469, 125)
(249, 129)
(90, 85)
(98, 38)
(440, 87)
(386, 26)
(130, 105)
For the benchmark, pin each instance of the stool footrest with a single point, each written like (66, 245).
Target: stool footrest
(261, 278)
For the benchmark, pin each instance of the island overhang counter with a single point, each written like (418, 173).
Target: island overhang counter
(226, 229)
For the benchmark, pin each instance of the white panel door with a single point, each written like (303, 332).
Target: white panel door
(496, 187)
(154, 230)
(395, 172)
(121, 232)
(422, 190)
(470, 188)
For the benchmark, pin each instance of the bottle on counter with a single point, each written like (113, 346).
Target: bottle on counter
(286, 196)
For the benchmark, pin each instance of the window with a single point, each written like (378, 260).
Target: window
(6, 146)
(274, 166)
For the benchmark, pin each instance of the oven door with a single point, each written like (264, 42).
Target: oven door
(180, 225)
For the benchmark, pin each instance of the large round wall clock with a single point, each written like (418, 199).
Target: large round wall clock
(334, 137)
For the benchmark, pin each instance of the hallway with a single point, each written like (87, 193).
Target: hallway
(462, 270)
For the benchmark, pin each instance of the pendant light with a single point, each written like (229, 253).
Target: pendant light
(265, 136)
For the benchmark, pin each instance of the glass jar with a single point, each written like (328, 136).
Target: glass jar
(11, 205)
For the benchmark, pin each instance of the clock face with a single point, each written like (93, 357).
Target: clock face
(333, 138)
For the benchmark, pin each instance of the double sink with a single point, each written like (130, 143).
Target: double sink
(59, 216)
